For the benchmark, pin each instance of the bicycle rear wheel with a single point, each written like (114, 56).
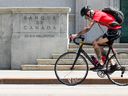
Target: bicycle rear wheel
(118, 75)
(69, 76)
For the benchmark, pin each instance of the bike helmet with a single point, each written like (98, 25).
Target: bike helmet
(84, 11)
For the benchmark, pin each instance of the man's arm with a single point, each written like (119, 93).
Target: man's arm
(86, 29)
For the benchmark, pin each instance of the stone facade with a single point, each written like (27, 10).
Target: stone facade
(31, 33)
(28, 31)
(76, 23)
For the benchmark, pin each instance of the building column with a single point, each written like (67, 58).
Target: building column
(115, 4)
(80, 23)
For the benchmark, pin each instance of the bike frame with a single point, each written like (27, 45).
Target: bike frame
(80, 50)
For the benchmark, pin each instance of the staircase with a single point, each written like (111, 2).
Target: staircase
(48, 64)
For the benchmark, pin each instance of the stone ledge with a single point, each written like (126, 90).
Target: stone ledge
(35, 9)
(49, 81)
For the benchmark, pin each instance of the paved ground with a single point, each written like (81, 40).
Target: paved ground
(13, 84)
(62, 90)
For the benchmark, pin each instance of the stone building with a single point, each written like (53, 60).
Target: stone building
(11, 49)
(76, 22)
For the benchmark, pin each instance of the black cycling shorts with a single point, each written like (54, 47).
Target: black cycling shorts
(112, 35)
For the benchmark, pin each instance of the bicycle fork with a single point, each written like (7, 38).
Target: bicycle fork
(77, 56)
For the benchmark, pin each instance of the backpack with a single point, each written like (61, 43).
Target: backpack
(118, 15)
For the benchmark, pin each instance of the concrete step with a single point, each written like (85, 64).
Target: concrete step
(37, 67)
(53, 61)
(56, 56)
(46, 61)
(91, 50)
(48, 64)
(63, 61)
(51, 67)
(116, 45)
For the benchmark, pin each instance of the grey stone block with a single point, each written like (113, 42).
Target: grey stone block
(31, 33)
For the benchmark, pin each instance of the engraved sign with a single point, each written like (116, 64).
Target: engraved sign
(37, 26)
(40, 23)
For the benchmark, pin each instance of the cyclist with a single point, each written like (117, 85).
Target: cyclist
(102, 18)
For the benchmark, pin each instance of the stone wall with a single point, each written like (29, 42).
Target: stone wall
(30, 33)
(76, 23)
(45, 3)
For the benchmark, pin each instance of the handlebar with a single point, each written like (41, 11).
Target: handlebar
(78, 39)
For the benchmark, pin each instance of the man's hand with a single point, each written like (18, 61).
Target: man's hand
(72, 37)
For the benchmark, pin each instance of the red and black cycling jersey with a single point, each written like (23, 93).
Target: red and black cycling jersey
(104, 19)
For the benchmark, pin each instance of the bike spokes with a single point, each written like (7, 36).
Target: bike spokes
(68, 72)
(118, 73)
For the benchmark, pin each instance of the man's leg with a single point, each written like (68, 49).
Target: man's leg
(96, 45)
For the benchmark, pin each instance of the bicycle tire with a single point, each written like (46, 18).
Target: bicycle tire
(116, 76)
(69, 76)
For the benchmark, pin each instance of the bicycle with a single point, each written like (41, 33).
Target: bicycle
(71, 68)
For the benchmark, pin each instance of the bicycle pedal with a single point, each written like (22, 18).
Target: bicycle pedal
(95, 70)
(103, 69)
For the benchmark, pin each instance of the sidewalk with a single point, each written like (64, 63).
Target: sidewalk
(42, 77)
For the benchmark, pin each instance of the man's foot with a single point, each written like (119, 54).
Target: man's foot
(113, 68)
(99, 66)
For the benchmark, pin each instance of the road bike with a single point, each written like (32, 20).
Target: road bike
(71, 68)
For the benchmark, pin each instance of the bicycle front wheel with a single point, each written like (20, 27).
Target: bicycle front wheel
(66, 73)
(118, 75)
